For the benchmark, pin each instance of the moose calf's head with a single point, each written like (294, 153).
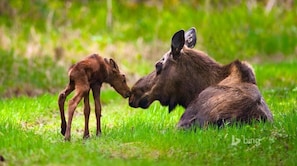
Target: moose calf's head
(173, 82)
(116, 79)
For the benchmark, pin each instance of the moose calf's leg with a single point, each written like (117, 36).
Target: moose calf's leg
(96, 95)
(87, 114)
(98, 116)
(71, 108)
(81, 90)
(61, 101)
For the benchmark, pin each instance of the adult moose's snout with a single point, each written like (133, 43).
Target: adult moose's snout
(136, 102)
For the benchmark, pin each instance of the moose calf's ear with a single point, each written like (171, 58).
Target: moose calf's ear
(190, 38)
(113, 64)
(177, 43)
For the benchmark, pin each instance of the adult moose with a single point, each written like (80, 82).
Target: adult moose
(88, 74)
(210, 92)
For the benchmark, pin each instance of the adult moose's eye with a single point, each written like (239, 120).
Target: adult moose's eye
(124, 79)
(159, 66)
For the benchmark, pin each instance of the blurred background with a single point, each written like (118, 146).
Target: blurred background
(40, 39)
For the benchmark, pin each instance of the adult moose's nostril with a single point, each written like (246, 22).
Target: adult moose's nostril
(132, 104)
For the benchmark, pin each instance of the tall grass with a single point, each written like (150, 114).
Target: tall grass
(226, 31)
(34, 76)
(40, 40)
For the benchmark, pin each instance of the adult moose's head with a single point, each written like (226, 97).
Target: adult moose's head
(180, 75)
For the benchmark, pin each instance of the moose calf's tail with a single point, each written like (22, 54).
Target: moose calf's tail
(61, 102)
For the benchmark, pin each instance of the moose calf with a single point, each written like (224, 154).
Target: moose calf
(210, 92)
(88, 74)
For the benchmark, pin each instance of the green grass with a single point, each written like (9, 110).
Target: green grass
(30, 132)
(277, 75)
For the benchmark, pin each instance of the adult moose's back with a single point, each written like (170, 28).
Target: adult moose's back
(183, 73)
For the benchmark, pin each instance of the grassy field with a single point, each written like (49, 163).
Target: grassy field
(40, 40)
(30, 132)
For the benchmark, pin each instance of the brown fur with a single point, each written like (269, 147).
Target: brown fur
(193, 80)
(180, 80)
(234, 99)
(88, 74)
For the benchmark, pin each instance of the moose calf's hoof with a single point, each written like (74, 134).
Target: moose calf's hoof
(63, 131)
(67, 138)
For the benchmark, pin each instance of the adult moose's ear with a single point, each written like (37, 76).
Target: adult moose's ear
(113, 64)
(177, 43)
(190, 38)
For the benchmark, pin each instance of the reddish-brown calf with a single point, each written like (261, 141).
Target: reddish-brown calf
(88, 74)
